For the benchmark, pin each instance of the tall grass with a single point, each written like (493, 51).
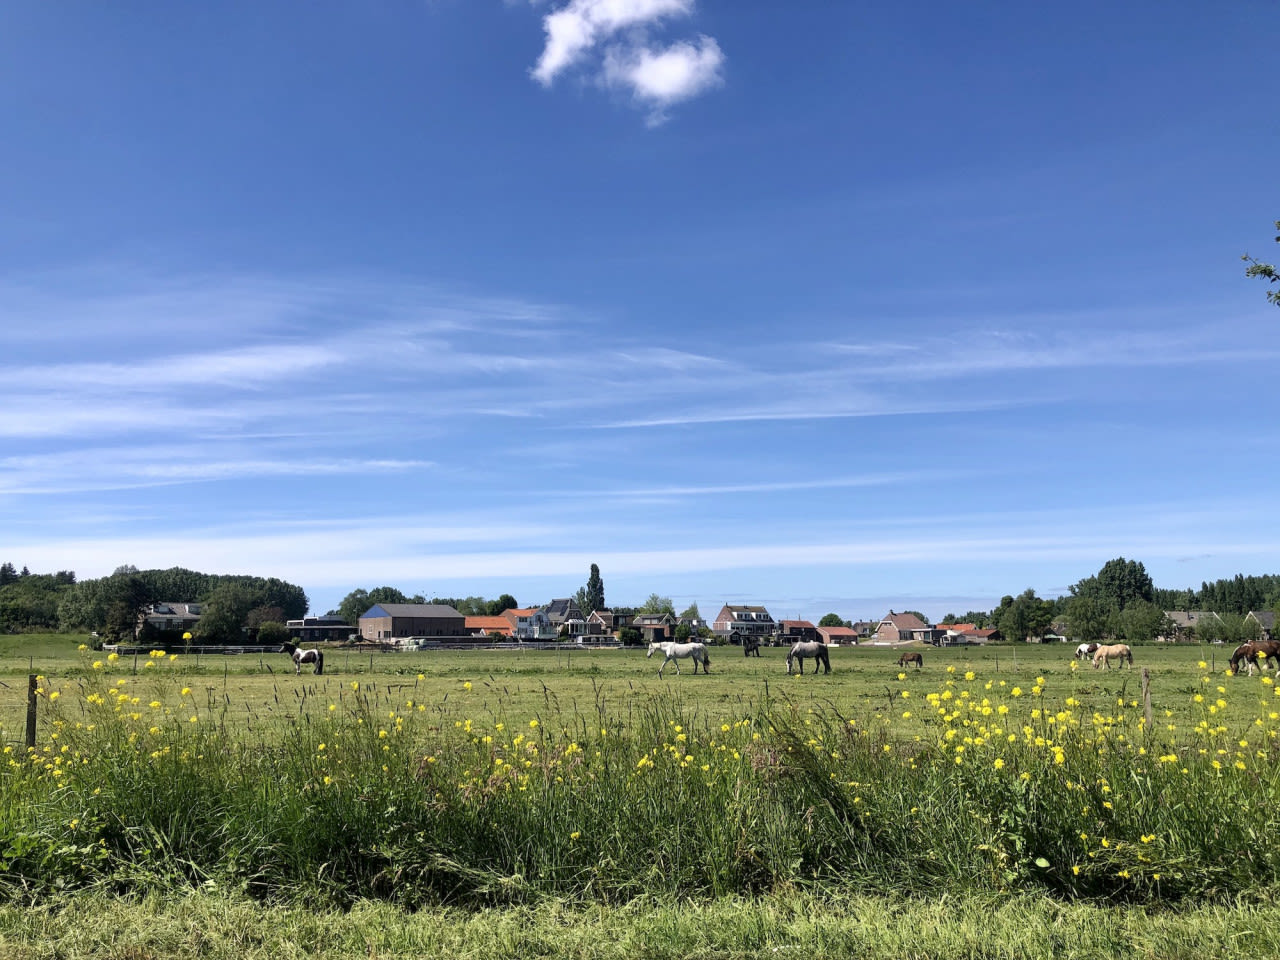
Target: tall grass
(374, 795)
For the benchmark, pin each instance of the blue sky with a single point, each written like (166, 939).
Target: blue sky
(826, 306)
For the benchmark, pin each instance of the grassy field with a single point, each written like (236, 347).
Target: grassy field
(519, 685)
(570, 792)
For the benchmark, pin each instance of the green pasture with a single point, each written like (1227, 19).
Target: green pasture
(503, 778)
(575, 684)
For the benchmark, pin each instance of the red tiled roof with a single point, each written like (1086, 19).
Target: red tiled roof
(489, 624)
(797, 623)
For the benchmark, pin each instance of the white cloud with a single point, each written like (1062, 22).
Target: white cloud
(659, 78)
(655, 76)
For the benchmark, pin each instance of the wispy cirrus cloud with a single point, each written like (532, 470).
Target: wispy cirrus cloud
(135, 467)
(613, 37)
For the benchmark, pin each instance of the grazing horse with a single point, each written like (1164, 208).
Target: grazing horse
(1086, 650)
(675, 652)
(818, 651)
(1254, 651)
(912, 657)
(1103, 656)
(300, 657)
(751, 647)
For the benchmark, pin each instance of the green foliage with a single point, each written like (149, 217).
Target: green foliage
(691, 613)
(592, 597)
(125, 596)
(1266, 271)
(87, 606)
(1023, 617)
(272, 632)
(1119, 583)
(30, 601)
(225, 613)
(657, 604)
(683, 632)
(630, 637)
(1141, 622)
(501, 605)
(834, 620)
(1087, 619)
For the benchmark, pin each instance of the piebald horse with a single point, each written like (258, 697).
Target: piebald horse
(300, 657)
(1103, 656)
(809, 648)
(1256, 653)
(1086, 651)
(675, 652)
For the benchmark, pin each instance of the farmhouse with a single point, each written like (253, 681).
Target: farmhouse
(1181, 624)
(735, 623)
(167, 621)
(900, 627)
(1266, 620)
(386, 621)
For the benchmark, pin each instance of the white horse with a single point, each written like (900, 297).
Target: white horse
(681, 651)
(815, 649)
(1086, 651)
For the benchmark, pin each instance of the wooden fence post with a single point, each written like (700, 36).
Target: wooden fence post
(31, 710)
(1146, 696)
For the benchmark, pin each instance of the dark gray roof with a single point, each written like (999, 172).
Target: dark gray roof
(414, 610)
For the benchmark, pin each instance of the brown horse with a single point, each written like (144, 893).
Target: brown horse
(1253, 652)
(912, 657)
(1103, 656)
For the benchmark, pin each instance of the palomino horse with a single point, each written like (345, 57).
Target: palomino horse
(810, 648)
(912, 657)
(1253, 652)
(675, 652)
(1086, 650)
(300, 657)
(1103, 656)
(751, 647)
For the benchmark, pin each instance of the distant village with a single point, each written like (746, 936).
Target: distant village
(412, 626)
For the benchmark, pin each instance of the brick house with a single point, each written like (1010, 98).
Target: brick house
(798, 631)
(900, 628)
(734, 623)
(834, 636)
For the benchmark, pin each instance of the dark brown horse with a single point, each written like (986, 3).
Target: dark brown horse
(751, 647)
(1266, 651)
(911, 657)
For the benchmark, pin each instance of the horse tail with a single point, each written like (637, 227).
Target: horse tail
(319, 661)
(706, 660)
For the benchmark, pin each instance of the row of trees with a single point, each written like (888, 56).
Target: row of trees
(1121, 600)
(113, 605)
